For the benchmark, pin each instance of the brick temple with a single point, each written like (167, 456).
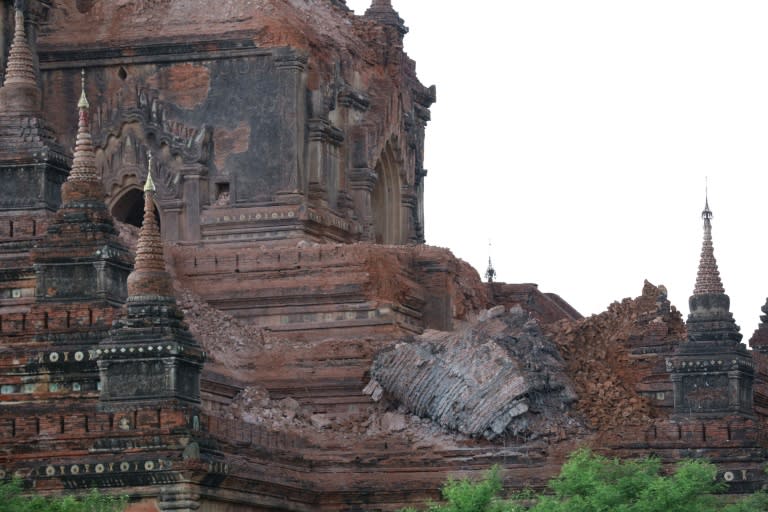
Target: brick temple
(215, 293)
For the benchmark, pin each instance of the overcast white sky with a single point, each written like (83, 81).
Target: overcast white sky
(576, 135)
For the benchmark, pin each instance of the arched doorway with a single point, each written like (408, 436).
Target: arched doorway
(386, 202)
(129, 207)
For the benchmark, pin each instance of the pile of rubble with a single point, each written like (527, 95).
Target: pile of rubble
(500, 377)
(254, 405)
(597, 352)
(225, 339)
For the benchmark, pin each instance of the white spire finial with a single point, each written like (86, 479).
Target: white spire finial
(149, 186)
(83, 103)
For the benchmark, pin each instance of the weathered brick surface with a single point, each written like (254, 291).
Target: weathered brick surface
(545, 307)
(275, 125)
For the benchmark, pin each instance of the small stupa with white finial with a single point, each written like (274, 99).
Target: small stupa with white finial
(80, 256)
(150, 358)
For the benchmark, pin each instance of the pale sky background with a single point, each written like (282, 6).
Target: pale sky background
(576, 136)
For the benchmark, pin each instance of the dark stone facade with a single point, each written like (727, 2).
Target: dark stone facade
(254, 141)
(713, 372)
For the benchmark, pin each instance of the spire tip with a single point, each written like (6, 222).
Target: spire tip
(83, 103)
(149, 185)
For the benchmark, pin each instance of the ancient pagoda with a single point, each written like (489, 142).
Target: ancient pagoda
(150, 358)
(33, 165)
(712, 372)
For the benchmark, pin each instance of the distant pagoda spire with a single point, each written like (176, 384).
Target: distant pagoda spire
(708, 279)
(20, 92)
(83, 181)
(490, 273)
(149, 276)
(383, 12)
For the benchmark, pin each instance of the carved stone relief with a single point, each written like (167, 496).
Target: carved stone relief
(136, 104)
(124, 159)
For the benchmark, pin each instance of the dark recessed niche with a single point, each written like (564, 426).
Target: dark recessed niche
(122, 73)
(222, 194)
(84, 6)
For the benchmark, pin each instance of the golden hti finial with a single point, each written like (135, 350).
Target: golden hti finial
(149, 185)
(83, 103)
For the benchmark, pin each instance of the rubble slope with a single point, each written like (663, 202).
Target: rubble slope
(498, 377)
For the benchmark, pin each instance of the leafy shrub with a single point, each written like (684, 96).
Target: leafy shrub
(592, 483)
(12, 500)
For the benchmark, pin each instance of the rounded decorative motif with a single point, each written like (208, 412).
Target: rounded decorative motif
(79, 356)
(74, 469)
(149, 465)
(50, 470)
(728, 476)
(53, 357)
(99, 468)
(125, 466)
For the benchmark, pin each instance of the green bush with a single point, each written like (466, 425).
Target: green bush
(12, 500)
(592, 483)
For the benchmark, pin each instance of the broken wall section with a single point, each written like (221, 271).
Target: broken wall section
(499, 377)
(617, 359)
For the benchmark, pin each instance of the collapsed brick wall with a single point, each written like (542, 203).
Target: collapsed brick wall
(500, 377)
(611, 355)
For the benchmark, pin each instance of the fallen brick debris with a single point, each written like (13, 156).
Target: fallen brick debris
(499, 377)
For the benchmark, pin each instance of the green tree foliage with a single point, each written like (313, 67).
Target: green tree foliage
(593, 483)
(466, 496)
(12, 500)
(590, 482)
